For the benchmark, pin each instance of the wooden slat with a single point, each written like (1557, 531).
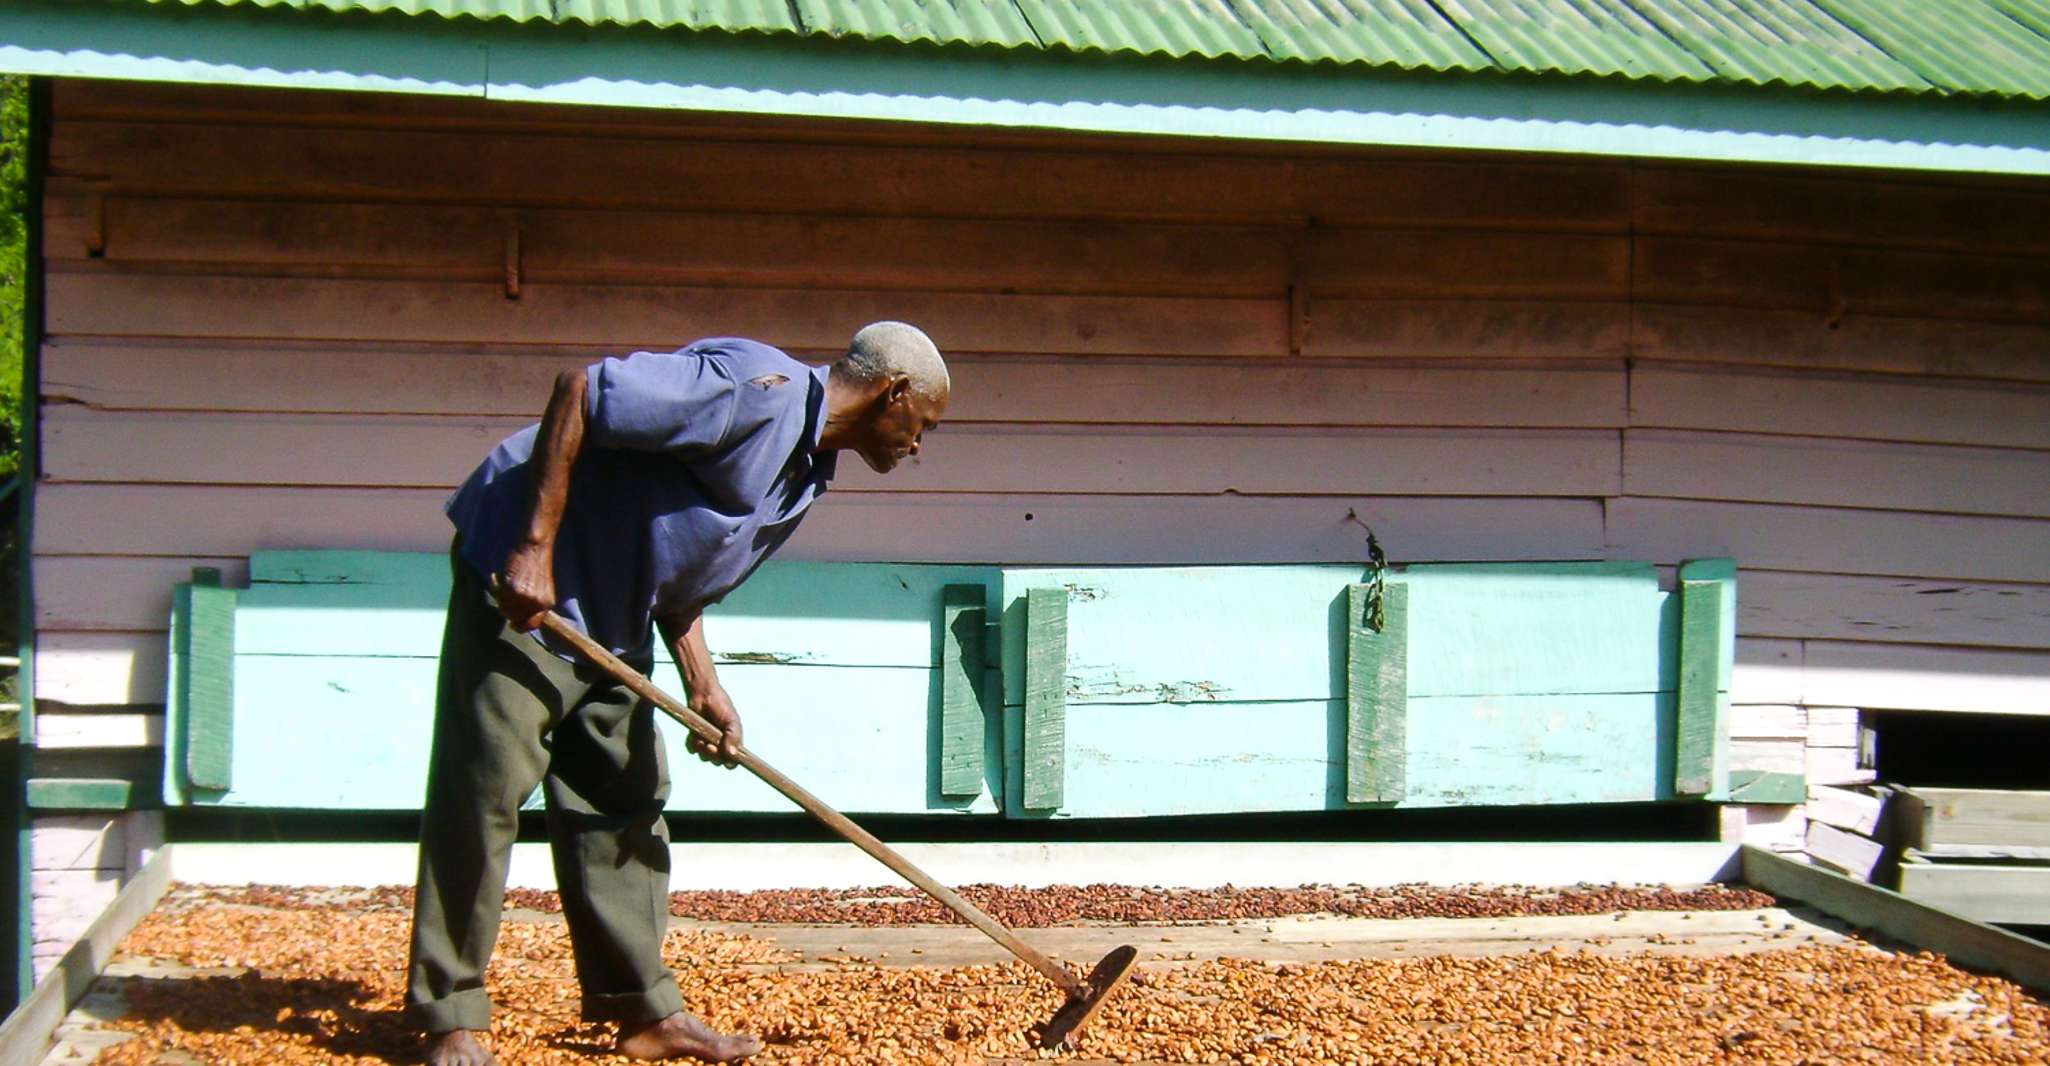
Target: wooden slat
(379, 604)
(1834, 727)
(1892, 676)
(2009, 892)
(629, 316)
(1852, 811)
(1042, 773)
(78, 842)
(91, 794)
(1966, 942)
(1775, 721)
(1817, 403)
(962, 633)
(1836, 766)
(117, 593)
(187, 448)
(1833, 539)
(865, 527)
(202, 375)
(1808, 470)
(1805, 340)
(1766, 786)
(1894, 610)
(1834, 280)
(773, 170)
(1774, 756)
(100, 669)
(798, 251)
(1707, 641)
(1376, 695)
(1840, 208)
(1942, 817)
(1510, 329)
(1854, 855)
(1767, 671)
(60, 730)
(202, 697)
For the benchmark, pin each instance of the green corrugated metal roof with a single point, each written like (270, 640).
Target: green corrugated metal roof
(1989, 47)
(1574, 37)
(1977, 46)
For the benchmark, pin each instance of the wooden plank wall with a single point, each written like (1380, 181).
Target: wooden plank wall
(283, 319)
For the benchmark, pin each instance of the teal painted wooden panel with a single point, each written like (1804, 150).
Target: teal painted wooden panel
(392, 603)
(354, 733)
(1194, 690)
(1163, 759)
(834, 666)
(1276, 633)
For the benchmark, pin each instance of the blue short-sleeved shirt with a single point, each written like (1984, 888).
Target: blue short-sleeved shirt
(696, 465)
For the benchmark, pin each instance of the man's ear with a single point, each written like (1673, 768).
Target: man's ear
(900, 387)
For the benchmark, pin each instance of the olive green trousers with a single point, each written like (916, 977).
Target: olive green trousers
(510, 715)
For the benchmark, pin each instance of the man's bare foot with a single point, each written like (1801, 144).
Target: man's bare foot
(683, 1034)
(457, 1047)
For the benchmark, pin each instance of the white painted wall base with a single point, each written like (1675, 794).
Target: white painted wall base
(763, 866)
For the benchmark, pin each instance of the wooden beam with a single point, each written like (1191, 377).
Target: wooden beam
(962, 635)
(203, 673)
(1934, 818)
(1857, 856)
(26, 1034)
(1377, 695)
(2016, 892)
(1046, 699)
(1966, 942)
(92, 794)
(1707, 645)
(1763, 786)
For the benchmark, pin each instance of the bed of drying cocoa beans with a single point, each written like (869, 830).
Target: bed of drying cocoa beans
(306, 982)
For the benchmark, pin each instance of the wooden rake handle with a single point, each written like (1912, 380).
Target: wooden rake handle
(837, 822)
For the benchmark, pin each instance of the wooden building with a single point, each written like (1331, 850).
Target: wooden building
(301, 269)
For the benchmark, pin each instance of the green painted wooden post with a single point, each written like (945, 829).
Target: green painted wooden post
(1376, 696)
(205, 676)
(1046, 698)
(1708, 639)
(962, 627)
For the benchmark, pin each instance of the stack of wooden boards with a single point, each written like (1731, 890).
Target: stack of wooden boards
(1031, 692)
(1983, 853)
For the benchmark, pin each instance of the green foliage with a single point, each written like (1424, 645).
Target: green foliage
(14, 206)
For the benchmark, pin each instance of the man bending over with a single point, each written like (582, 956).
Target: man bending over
(652, 487)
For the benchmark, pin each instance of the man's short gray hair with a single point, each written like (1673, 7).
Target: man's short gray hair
(884, 350)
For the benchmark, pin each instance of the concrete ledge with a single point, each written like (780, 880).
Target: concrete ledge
(744, 867)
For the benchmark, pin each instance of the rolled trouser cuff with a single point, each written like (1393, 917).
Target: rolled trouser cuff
(468, 1009)
(651, 1004)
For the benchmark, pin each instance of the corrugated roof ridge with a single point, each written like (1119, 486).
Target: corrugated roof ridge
(1038, 38)
(1439, 7)
(1258, 37)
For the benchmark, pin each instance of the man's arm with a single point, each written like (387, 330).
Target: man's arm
(685, 635)
(526, 587)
